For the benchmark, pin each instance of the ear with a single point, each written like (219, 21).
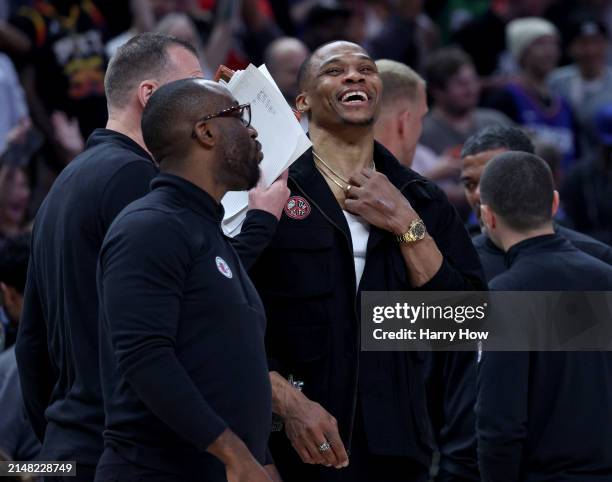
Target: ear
(301, 102)
(555, 203)
(205, 134)
(488, 217)
(402, 122)
(145, 91)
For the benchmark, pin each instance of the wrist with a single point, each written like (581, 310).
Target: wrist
(228, 448)
(402, 221)
(285, 397)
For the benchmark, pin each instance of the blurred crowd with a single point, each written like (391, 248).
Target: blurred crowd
(544, 65)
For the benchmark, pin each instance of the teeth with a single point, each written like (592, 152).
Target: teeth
(362, 95)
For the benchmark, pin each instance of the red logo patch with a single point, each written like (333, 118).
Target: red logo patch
(223, 267)
(297, 207)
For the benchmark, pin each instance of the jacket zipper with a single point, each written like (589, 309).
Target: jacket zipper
(356, 381)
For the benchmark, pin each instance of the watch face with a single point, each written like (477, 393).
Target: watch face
(418, 230)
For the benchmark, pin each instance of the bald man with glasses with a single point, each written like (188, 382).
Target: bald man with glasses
(183, 365)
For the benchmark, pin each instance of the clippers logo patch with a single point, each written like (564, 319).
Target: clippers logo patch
(297, 207)
(223, 267)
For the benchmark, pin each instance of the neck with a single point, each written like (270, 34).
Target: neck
(513, 237)
(347, 151)
(385, 133)
(124, 123)
(459, 121)
(535, 82)
(205, 182)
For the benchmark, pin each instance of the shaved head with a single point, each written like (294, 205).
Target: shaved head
(173, 110)
(222, 148)
(320, 55)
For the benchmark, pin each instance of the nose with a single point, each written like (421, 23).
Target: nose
(353, 75)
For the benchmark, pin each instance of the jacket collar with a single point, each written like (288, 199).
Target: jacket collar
(189, 195)
(303, 170)
(540, 244)
(100, 136)
(314, 187)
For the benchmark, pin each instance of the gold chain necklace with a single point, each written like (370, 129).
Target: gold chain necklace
(329, 168)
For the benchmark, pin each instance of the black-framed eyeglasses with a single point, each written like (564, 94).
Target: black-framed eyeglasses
(243, 110)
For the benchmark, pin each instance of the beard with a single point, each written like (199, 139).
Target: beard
(239, 164)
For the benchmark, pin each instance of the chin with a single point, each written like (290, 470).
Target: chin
(360, 122)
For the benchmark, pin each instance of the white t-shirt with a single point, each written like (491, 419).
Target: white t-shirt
(360, 232)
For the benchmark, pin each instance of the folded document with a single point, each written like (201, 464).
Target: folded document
(282, 138)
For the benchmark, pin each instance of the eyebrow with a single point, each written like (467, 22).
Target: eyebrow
(339, 58)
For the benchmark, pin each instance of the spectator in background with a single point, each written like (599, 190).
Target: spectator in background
(403, 107)
(284, 57)
(143, 16)
(478, 150)
(529, 101)
(407, 35)
(14, 199)
(325, 22)
(587, 191)
(64, 68)
(12, 99)
(179, 25)
(455, 89)
(586, 84)
(17, 438)
(484, 38)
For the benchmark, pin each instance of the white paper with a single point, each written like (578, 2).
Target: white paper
(281, 136)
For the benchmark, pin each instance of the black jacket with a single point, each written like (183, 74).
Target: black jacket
(306, 278)
(57, 346)
(546, 416)
(452, 376)
(493, 258)
(182, 335)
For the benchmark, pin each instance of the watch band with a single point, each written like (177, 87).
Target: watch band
(416, 232)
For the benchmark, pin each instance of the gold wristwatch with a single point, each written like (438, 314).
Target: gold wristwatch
(416, 232)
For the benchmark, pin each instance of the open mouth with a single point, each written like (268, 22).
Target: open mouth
(354, 97)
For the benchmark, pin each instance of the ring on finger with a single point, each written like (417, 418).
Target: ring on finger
(324, 447)
(347, 189)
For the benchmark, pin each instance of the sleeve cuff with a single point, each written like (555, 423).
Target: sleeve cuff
(441, 280)
(262, 218)
(275, 366)
(211, 432)
(268, 460)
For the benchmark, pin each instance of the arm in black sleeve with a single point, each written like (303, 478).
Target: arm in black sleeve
(501, 414)
(461, 269)
(129, 183)
(257, 231)
(36, 374)
(144, 263)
